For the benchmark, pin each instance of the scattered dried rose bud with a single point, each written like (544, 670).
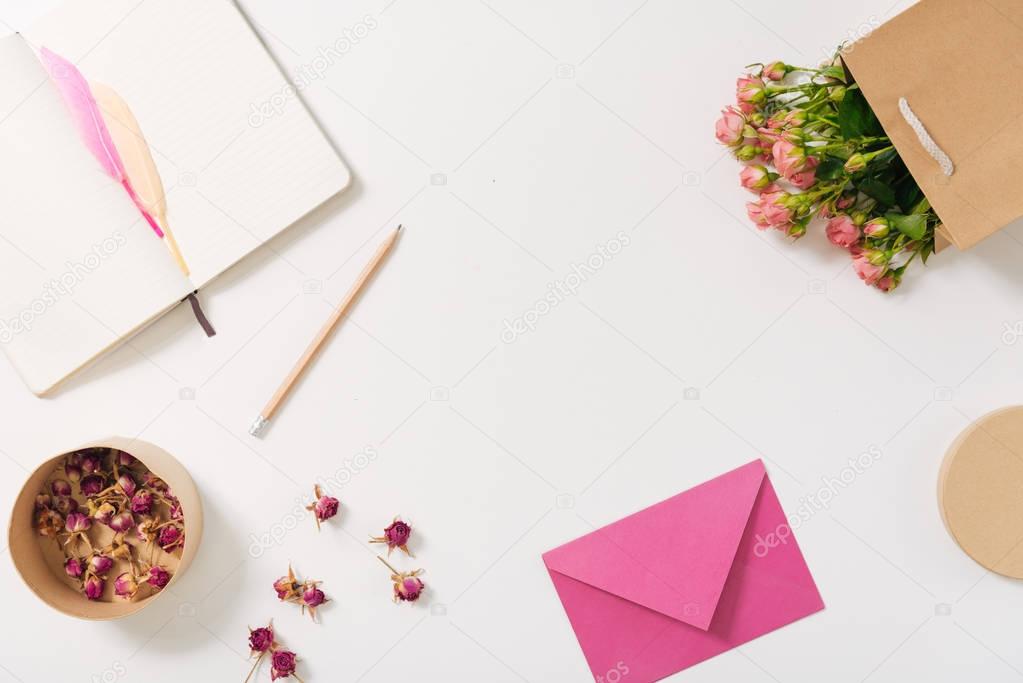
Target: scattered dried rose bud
(74, 568)
(407, 586)
(49, 523)
(324, 508)
(170, 537)
(122, 522)
(100, 565)
(395, 536)
(43, 501)
(125, 586)
(126, 484)
(60, 487)
(91, 463)
(261, 639)
(286, 586)
(409, 589)
(92, 484)
(125, 459)
(78, 522)
(313, 596)
(282, 664)
(65, 505)
(142, 502)
(118, 551)
(158, 577)
(104, 513)
(73, 471)
(93, 588)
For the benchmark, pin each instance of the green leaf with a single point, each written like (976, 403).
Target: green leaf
(830, 168)
(836, 72)
(926, 251)
(913, 226)
(855, 117)
(876, 189)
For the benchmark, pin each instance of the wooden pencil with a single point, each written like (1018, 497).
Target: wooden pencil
(261, 422)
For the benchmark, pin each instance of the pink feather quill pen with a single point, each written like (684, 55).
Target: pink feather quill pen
(77, 94)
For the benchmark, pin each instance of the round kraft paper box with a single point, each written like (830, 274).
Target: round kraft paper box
(39, 562)
(980, 491)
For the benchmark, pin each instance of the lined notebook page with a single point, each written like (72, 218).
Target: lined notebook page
(80, 269)
(194, 74)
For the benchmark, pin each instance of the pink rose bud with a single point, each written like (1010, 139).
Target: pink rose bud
(876, 228)
(285, 586)
(125, 586)
(74, 568)
(806, 179)
(756, 214)
(395, 536)
(92, 484)
(261, 639)
(776, 71)
(73, 471)
(77, 523)
(728, 129)
(756, 178)
(100, 565)
(93, 587)
(170, 537)
(65, 505)
(887, 283)
(60, 487)
(408, 589)
(125, 460)
(326, 507)
(126, 484)
(122, 522)
(867, 271)
(775, 208)
(789, 159)
(105, 513)
(142, 502)
(154, 482)
(91, 463)
(43, 501)
(158, 577)
(842, 232)
(313, 596)
(750, 90)
(282, 664)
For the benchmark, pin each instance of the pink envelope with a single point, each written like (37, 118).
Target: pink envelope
(684, 580)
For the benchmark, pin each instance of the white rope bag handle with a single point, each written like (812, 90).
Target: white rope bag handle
(947, 167)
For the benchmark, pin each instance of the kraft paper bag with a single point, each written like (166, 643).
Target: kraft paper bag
(957, 63)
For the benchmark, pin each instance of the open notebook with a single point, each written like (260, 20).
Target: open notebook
(240, 157)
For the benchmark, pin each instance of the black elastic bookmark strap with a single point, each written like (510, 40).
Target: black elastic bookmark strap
(204, 322)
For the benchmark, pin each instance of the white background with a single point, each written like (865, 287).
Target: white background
(512, 139)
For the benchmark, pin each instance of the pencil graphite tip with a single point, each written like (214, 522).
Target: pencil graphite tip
(400, 228)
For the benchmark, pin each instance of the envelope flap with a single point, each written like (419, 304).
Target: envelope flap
(673, 557)
(957, 65)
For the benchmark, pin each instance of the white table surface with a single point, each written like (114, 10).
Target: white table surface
(514, 139)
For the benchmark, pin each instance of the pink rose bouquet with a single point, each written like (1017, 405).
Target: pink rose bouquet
(813, 148)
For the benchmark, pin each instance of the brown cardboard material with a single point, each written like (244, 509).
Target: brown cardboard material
(958, 65)
(980, 491)
(40, 565)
